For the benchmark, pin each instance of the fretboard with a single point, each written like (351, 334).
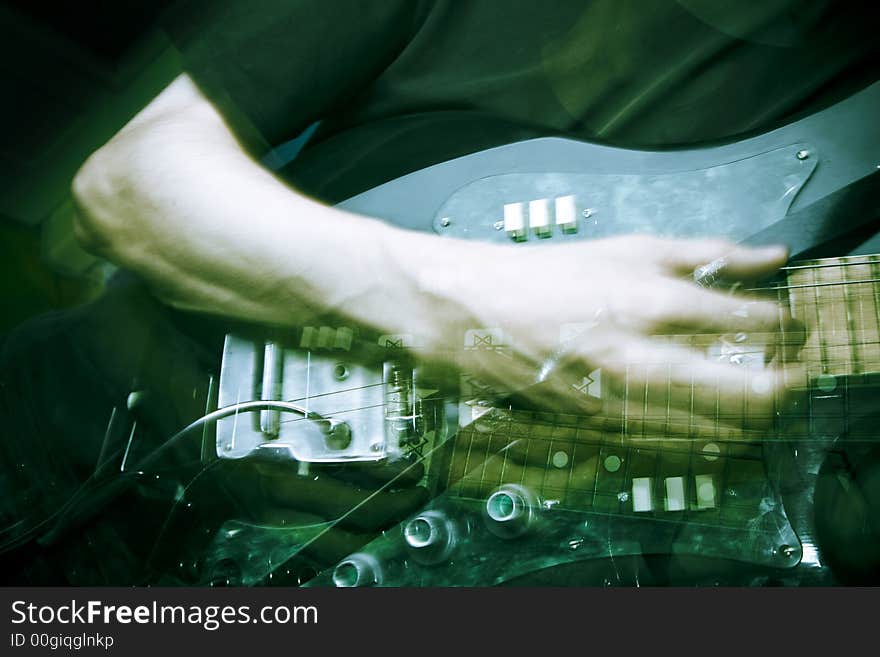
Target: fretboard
(839, 300)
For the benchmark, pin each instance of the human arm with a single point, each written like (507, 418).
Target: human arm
(175, 197)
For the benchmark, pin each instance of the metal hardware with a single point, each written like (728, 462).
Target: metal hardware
(430, 537)
(510, 510)
(356, 571)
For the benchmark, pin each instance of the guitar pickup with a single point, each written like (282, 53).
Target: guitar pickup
(566, 214)
(539, 221)
(514, 221)
(539, 217)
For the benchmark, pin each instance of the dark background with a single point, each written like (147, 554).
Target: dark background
(71, 74)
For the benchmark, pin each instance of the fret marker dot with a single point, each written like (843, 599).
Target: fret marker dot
(711, 451)
(612, 463)
(706, 493)
(761, 384)
(826, 382)
(560, 459)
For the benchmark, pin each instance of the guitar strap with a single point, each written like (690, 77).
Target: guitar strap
(833, 217)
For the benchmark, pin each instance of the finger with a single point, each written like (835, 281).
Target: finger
(686, 307)
(738, 262)
(656, 395)
(651, 374)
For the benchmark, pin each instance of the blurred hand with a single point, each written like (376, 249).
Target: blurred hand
(639, 318)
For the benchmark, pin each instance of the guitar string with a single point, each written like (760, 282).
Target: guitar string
(596, 421)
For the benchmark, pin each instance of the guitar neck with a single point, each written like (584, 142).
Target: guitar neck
(839, 300)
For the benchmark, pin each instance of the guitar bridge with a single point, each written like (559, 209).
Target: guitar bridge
(320, 405)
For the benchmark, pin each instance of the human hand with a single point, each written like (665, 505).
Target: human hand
(638, 318)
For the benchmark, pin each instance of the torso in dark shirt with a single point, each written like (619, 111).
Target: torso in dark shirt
(401, 85)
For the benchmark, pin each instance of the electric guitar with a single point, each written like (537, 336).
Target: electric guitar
(516, 492)
(519, 491)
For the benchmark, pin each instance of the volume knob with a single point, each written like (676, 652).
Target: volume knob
(430, 537)
(357, 570)
(511, 510)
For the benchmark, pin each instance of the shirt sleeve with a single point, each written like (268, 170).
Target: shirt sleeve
(273, 67)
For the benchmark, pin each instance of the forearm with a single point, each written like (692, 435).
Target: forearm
(174, 198)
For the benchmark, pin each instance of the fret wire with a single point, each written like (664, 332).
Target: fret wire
(443, 481)
(567, 488)
(668, 398)
(467, 462)
(554, 447)
(627, 476)
(876, 288)
(525, 466)
(781, 316)
(569, 475)
(716, 424)
(570, 494)
(455, 484)
(485, 461)
(548, 463)
(819, 329)
(482, 462)
(657, 479)
(691, 403)
(536, 440)
(624, 406)
(865, 317)
(690, 482)
(600, 460)
(809, 416)
(506, 450)
(832, 312)
(850, 327)
(722, 489)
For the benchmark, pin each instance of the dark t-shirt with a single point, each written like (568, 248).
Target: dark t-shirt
(402, 84)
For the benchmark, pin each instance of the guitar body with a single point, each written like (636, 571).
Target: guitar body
(602, 509)
(785, 496)
(741, 190)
